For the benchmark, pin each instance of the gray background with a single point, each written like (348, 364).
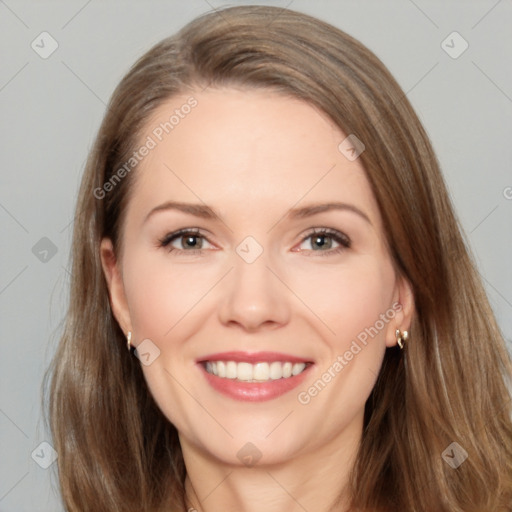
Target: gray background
(51, 109)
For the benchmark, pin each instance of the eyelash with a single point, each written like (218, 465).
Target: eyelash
(337, 236)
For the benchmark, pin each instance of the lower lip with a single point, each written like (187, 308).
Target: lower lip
(254, 391)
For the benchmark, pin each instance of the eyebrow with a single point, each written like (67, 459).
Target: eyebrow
(205, 212)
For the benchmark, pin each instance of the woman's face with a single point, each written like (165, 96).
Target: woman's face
(258, 280)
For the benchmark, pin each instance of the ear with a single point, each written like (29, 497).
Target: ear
(115, 285)
(403, 305)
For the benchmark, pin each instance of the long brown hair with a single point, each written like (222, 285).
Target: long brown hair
(117, 452)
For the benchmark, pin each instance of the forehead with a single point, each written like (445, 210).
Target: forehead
(246, 149)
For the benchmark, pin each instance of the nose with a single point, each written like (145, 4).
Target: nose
(253, 297)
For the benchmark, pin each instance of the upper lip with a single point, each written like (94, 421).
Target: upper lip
(252, 357)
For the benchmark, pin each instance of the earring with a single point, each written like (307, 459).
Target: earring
(129, 340)
(401, 338)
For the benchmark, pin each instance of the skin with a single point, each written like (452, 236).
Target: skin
(251, 155)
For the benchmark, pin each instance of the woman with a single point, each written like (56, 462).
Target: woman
(212, 358)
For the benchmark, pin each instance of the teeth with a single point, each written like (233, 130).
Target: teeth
(259, 372)
(230, 370)
(244, 371)
(275, 370)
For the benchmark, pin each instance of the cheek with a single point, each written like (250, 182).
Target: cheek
(160, 292)
(349, 298)
(352, 301)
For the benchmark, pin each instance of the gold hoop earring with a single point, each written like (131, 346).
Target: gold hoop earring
(129, 341)
(401, 338)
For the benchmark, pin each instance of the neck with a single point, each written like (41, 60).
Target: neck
(313, 480)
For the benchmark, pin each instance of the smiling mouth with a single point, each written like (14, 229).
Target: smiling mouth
(258, 372)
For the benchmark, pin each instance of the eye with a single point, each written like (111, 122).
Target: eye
(184, 240)
(321, 240)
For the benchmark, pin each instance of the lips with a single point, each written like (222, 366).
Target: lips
(260, 386)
